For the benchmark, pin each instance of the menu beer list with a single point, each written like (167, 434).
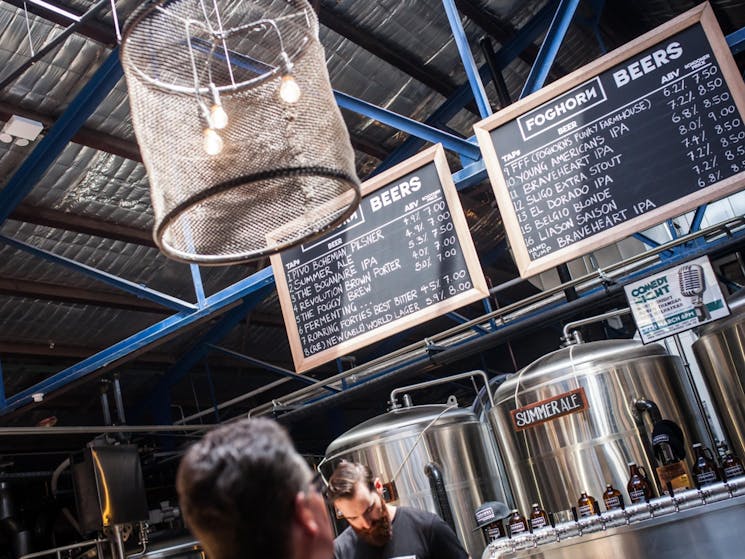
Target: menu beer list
(646, 139)
(403, 257)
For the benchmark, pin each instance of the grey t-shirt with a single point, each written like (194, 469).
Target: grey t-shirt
(417, 534)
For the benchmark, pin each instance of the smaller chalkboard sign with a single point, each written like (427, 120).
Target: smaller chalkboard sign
(643, 134)
(404, 257)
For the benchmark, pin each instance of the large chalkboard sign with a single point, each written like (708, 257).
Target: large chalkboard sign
(404, 257)
(641, 135)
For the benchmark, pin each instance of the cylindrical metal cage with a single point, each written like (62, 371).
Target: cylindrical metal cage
(281, 171)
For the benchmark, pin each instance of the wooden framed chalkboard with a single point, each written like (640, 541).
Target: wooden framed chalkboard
(643, 134)
(404, 257)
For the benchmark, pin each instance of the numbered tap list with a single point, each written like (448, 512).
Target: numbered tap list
(397, 255)
(648, 131)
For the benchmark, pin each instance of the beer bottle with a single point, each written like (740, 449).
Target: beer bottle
(638, 486)
(705, 469)
(612, 498)
(671, 470)
(494, 531)
(538, 517)
(732, 466)
(587, 506)
(516, 523)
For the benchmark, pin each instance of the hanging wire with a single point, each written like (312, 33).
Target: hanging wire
(28, 30)
(116, 22)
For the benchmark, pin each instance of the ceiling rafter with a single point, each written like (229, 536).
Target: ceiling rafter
(502, 32)
(97, 31)
(82, 224)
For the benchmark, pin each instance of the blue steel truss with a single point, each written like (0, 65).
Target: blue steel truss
(240, 298)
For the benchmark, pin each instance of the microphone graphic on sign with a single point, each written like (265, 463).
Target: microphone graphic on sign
(692, 284)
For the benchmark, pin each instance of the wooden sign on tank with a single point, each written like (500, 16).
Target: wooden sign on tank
(643, 134)
(404, 257)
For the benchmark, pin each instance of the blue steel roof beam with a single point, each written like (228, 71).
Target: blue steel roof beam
(262, 282)
(410, 126)
(466, 57)
(444, 113)
(189, 360)
(550, 47)
(736, 41)
(272, 368)
(140, 291)
(60, 134)
(196, 278)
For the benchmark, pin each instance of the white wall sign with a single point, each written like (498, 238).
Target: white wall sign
(676, 300)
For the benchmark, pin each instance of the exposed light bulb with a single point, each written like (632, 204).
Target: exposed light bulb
(218, 117)
(212, 142)
(289, 90)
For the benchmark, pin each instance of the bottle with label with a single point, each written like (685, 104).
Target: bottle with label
(731, 466)
(587, 506)
(493, 531)
(705, 469)
(538, 517)
(671, 472)
(639, 487)
(613, 498)
(516, 523)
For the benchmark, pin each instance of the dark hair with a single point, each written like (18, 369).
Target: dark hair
(343, 482)
(237, 489)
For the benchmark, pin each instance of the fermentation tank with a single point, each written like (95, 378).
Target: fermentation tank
(720, 353)
(579, 419)
(409, 439)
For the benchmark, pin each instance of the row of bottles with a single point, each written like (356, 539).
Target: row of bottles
(673, 474)
(512, 525)
(639, 488)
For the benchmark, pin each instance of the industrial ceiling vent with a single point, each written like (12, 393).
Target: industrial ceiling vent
(245, 148)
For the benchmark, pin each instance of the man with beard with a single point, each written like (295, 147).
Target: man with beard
(378, 530)
(245, 492)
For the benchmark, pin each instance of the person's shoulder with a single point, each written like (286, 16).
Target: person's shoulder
(418, 514)
(346, 538)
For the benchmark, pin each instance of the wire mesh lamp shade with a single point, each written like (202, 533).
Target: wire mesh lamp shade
(245, 149)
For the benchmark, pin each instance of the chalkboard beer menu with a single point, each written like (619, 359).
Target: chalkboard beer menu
(643, 134)
(404, 257)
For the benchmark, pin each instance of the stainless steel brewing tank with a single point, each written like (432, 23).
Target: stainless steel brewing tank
(452, 438)
(720, 353)
(554, 461)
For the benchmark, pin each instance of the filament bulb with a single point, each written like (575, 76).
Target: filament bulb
(218, 117)
(289, 90)
(212, 142)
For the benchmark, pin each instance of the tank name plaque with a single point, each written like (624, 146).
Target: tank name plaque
(404, 257)
(549, 409)
(643, 134)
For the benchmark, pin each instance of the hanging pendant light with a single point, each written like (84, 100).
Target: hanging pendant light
(245, 149)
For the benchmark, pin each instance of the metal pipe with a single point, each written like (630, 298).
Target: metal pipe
(104, 395)
(154, 553)
(591, 320)
(233, 401)
(53, 44)
(696, 393)
(118, 542)
(451, 354)
(412, 387)
(79, 430)
(118, 400)
(62, 548)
